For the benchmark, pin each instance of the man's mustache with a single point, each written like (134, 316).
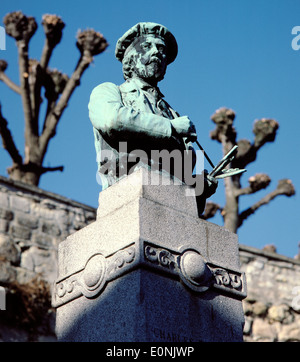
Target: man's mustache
(153, 59)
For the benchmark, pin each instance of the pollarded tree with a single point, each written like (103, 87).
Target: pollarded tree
(35, 75)
(264, 131)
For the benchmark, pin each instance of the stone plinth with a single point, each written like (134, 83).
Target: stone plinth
(149, 270)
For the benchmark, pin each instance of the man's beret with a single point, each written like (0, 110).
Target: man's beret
(147, 28)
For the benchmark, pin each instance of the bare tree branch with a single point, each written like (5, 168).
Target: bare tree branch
(265, 200)
(54, 116)
(7, 140)
(32, 168)
(244, 191)
(5, 79)
(54, 83)
(210, 211)
(246, 154)
(223, 118)
(53, 26)
(22, 28)
(51, 169)
(265, 130)
(46, 54)
(36, 77)
(284, 187)
(33, 76)
(30, 129)
(258, 182)
(89, 43)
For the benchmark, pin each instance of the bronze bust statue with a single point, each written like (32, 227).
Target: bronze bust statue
(134, 116)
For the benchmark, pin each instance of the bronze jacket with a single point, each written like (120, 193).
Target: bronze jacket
(129, 117)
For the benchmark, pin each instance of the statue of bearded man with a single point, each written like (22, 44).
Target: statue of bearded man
(134, 116)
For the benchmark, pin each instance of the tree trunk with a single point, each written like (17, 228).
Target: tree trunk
(21, 173)
(231, 210)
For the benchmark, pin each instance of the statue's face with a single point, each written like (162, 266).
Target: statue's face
(149, 58)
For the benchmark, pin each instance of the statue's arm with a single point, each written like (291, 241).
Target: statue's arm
(109, 115)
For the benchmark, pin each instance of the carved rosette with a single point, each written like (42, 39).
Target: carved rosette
(195, 272)
(91, 280)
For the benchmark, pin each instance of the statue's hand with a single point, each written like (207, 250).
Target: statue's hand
(211, 184)
(185, 127)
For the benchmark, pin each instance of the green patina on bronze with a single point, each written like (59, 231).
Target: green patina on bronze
(135, 112)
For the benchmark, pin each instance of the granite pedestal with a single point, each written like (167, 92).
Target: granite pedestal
(149, 270)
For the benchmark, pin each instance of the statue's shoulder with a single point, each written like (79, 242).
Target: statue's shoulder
(128, 86)
(106, 87)
(105, 91)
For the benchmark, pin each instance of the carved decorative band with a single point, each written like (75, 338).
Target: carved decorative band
(161, 257)
(90, 280)
(197, 273)
(186, 263)
(228, 280)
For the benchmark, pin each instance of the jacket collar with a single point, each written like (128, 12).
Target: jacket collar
(136, 83)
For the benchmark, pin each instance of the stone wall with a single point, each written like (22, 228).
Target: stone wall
(272, 307)
(34, 221)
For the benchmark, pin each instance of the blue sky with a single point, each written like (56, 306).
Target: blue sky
(233, 53)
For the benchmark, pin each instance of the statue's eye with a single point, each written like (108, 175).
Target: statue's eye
(146, 46)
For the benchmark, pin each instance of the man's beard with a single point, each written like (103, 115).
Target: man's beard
(150, 70)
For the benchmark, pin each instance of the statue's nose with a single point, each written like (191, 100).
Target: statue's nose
(154, 50)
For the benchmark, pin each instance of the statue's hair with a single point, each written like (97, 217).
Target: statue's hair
(128, 64)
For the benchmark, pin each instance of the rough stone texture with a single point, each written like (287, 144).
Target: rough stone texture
(32, 224)
(272, 279)
(272, 307)
(134, 305)
(142, 308)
